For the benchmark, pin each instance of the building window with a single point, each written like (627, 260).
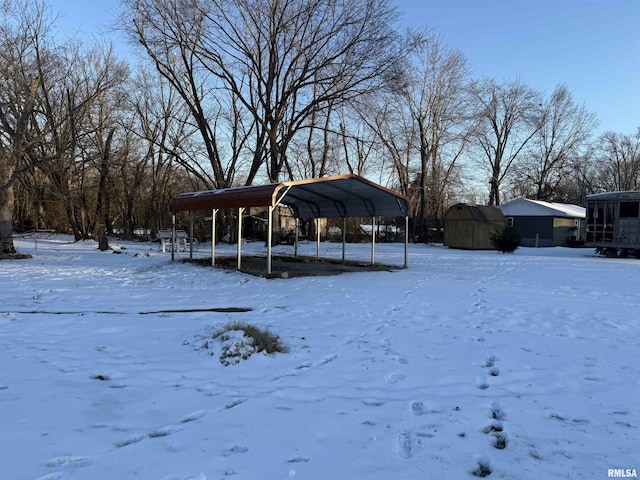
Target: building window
(629, 209)
(510, 222)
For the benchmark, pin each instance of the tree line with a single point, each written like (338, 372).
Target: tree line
(239, 92)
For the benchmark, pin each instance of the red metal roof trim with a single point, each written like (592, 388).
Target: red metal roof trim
(251, 196)
(337, 196)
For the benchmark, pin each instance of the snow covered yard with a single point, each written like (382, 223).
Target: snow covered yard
(520, 366)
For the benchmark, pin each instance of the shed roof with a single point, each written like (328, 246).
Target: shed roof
(329, 197)
(537, 208)
(478, 213)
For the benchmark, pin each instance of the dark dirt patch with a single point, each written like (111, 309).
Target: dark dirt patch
(191, 310)
(181, 310)
(14, 256)
(289, 267)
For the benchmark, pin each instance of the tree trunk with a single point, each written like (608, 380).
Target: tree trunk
(6, 212)
(103, 202)
(103, 242)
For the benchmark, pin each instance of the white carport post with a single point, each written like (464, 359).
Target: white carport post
(213, 236)
(270, 225)
(344, 236)
(240, 212)
(406, 241)
(173, 236)
(269, 235)
(191, 235)
(295, 241)
(373, 240)
(318, 238)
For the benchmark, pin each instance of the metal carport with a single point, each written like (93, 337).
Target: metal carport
(341, 196)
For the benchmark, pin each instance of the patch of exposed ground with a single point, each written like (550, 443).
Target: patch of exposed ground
(289, 266)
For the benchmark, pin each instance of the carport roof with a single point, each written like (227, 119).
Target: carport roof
(329, 197)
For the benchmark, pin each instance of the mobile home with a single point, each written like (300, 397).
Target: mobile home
(613, 223)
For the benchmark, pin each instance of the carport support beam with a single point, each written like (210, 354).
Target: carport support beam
(344, 235)
(318, 238)
(295, 245)
(373, 240)
(173, 236)
(191, 235)
(213, 236)
(240, 212)
(269, 235)
(406, 241)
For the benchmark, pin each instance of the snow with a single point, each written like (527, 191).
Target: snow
(522, 365)
(539, 208)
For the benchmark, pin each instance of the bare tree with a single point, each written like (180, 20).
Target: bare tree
(437, 95)
(22, 24)
(509, 117)
(619, 161)
(359, 142)
(581, 179)
(283, 60)
(170, 40)
(423, 120)
(75, 149)
(389, 118)
(337, 139)
(101, 136)
(160, 149)
(553, 151)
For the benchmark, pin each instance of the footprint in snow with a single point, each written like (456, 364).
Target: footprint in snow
(482, 383)
(395, 377)
(305, 366)
(558, 416)
(328, 358)
(297, 459)
(129, 440)
(579, 420)
(483, 467)
(405, 445)
(400, 359)
(164, 431)
(193, 416)
(497, 412)
(493, 427)
(417, 408)
(235, 449)
(235, 403)
(392, 310)
(500, 440)
(68, 461)
(490, 361)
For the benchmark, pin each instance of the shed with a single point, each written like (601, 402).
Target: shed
(340, 196)
(471, 226)
(545, 224)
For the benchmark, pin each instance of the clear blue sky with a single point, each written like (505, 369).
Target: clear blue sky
(592, 46)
